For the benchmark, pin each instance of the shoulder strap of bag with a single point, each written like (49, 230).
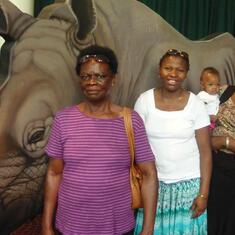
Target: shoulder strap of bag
(227, 94)
(129, 132)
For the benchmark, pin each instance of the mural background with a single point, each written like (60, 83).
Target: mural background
(194, 19)
(180, 14)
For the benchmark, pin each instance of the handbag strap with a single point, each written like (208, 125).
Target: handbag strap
(129, 132)
(227, 94)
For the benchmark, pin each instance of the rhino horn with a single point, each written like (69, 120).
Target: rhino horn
(86, 14)
(13, 21)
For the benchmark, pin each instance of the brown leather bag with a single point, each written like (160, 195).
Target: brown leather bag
(135, 173)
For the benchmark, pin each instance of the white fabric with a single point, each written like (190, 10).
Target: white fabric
(171, 135)
(211, 102)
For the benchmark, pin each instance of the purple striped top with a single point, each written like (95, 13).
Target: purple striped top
(94, 195)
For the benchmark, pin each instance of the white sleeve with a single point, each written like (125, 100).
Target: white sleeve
(141, 107)
(202, 118)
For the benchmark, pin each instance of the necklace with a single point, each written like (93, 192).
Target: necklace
(170, 102)
(172, 97)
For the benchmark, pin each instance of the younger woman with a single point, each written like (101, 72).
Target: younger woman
(177, 123)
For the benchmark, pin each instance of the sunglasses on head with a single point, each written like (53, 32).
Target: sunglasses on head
(97, 58)
(175, 52)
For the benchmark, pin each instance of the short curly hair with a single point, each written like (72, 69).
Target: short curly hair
(99, 50)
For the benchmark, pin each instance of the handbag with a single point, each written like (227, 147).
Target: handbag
(136, 176)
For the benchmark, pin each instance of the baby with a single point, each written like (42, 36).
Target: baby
(210, 84)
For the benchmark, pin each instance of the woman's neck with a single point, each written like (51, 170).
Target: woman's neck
(97, 107)
(172, 96)
(171, 101)
(105, 109)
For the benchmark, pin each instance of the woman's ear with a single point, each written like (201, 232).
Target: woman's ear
(158, 73)
(114, 80)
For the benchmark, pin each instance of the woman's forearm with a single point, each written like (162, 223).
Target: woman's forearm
(204, 146)
(229, 143)
(206, 169)
(149, 194)
(50, 200)
(223, 142)
(52, 183)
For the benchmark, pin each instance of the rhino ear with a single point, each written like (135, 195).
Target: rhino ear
(3, 24)
(13, 22)
(80, 12)
(59, 11)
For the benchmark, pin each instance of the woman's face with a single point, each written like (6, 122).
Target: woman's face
(95, 80)
(173, 72)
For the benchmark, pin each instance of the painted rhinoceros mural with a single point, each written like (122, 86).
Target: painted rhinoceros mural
(37, 78)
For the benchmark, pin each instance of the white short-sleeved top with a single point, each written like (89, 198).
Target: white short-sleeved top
(172, 136)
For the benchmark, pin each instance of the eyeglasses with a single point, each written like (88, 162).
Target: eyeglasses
(175, 52)
(97, 58)
(100, 78)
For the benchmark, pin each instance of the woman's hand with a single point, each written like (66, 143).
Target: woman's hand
(199, 206)
(213, 118)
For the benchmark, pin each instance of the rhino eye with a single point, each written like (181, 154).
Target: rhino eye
(36, 136)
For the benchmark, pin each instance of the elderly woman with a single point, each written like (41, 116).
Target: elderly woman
(177, 127)
(221, 203)
(89, 160)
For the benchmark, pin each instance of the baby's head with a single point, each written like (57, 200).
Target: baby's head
(210, 80)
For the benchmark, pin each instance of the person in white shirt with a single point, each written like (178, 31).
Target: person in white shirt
(176, 123)
(209, 94)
